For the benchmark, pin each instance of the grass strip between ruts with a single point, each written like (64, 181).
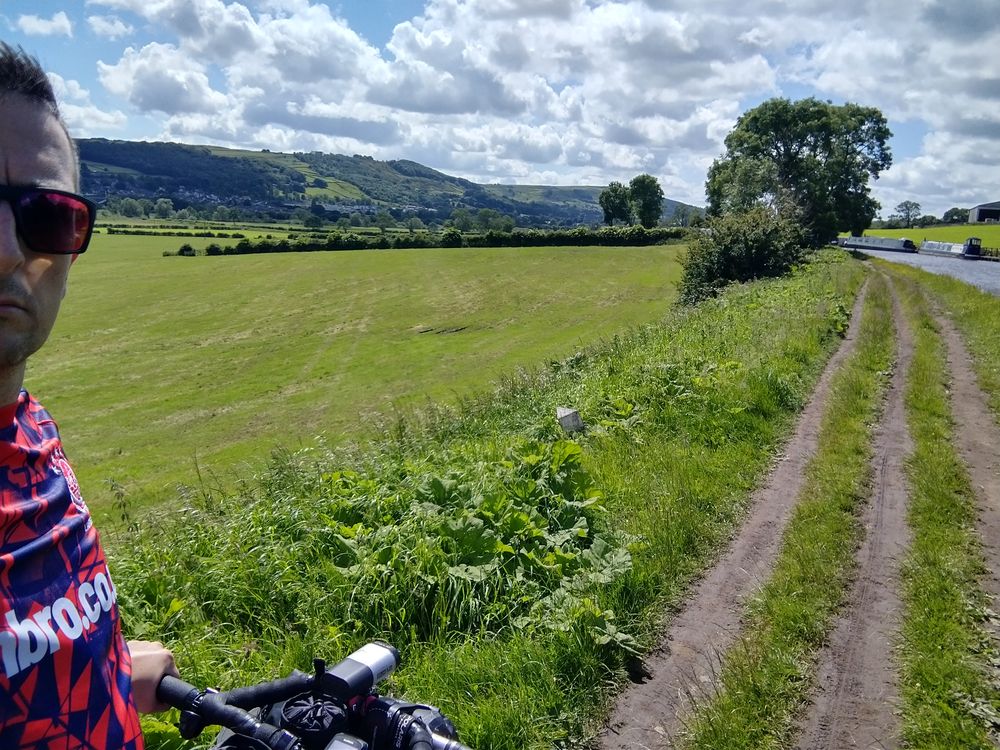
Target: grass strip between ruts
(765, 677)
(945, 691)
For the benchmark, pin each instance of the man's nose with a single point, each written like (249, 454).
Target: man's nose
(11, 255)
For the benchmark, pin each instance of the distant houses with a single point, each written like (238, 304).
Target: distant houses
(985, 212)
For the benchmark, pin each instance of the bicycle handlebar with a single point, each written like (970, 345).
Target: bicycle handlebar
(199, 708)
(343, 694)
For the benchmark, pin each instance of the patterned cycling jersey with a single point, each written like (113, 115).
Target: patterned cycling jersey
(65, 672)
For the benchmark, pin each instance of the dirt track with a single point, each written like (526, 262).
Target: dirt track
(855, 701)
(856, 693)
(650, 713)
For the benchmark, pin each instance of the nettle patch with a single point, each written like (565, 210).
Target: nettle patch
(483, 541)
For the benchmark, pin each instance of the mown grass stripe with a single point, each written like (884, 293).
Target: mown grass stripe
(947, 699)
(766, 676)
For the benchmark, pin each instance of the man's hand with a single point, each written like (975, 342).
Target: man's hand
(150, 662)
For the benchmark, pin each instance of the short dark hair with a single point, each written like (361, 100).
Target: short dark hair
(20, 73)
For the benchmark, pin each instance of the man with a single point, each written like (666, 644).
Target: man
(68, 680)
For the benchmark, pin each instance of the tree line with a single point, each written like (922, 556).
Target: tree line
(907, 215)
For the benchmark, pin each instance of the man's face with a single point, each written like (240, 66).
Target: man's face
(34, 150)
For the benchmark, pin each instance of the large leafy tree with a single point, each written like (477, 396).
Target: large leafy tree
(615, 203)
(809, 159)
(647, 199)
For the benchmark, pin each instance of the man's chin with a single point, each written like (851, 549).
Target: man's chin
(15, 352)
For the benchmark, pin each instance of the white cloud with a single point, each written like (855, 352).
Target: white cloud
(567, 90)
(161, 78)
(58, 25)
(110, 27)
(80, 114)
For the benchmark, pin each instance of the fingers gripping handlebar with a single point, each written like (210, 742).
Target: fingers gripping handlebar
(200, 708)
(334, 709)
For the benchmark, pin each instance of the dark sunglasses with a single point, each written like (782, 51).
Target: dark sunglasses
(51, 221)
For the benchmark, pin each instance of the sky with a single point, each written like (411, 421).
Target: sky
(559, 92)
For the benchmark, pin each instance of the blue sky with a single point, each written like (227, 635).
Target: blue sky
(529, 91)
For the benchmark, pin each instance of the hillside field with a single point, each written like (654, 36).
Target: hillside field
(163, 366)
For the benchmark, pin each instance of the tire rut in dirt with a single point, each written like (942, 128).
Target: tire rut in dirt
(978, 439)
(683, 668)
(854, 702)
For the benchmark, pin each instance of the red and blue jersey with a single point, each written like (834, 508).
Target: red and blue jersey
(65, 672)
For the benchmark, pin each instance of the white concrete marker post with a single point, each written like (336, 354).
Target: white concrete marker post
(569, 420)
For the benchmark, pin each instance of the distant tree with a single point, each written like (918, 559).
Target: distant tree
(451, 237)
(681, 216)
(358, 219)
(616, 204)
(956, 215)
(646, 197)
(313, 221)
(130, 207)
(414, 224)
(163, 208)
(505, 224)
(927, 221)
(343, 223)
(908, 212)
(384, 220)
(320, 183)
(223, 213)
(809, 159)
(462, 219)
(486, 219)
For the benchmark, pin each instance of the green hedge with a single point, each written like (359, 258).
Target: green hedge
(580, 237)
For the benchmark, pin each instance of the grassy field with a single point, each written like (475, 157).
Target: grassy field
(161, 365)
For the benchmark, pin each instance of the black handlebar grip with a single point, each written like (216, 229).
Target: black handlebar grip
(269, 692)
(177, 693)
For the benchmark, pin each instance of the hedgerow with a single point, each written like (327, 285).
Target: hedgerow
(579, 237)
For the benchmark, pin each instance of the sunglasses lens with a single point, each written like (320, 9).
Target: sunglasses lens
(54, 223)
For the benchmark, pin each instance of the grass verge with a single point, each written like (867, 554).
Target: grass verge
(947, 698)
(516, 569)
(765, 677)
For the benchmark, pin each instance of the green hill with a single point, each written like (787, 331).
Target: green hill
(206, 175)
